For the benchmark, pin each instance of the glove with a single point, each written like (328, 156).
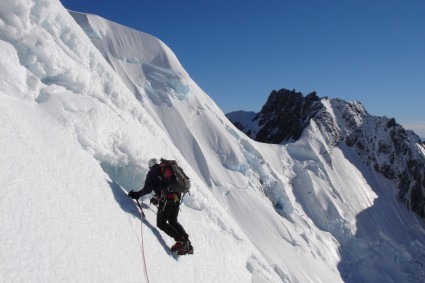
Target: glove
(133, 195)
(154, 201)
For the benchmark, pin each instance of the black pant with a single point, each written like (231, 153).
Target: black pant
(166, 220)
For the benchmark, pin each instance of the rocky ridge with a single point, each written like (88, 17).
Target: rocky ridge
(381, 143)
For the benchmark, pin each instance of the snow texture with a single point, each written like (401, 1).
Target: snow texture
(84, 103)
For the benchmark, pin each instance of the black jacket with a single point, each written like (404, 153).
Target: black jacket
(153, 182)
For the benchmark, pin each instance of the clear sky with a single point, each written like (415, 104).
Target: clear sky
(239, 51)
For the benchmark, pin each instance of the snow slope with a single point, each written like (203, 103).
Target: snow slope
(83, 107)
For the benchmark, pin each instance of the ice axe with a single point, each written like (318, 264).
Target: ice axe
(140, 206)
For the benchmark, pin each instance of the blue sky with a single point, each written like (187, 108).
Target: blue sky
(239, 51)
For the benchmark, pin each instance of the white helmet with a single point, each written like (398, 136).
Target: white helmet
(152, 162)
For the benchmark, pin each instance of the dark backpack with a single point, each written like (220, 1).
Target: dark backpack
(174, 176)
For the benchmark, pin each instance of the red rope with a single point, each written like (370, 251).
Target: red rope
(143, 245)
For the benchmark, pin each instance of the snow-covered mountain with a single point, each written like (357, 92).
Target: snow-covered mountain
(382, 144)
(86, 102)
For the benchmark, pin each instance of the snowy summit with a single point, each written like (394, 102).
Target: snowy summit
(85, 103)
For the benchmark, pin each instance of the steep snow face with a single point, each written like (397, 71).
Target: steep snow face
(386, 147)
(348, 166)
(228, 163)
(84, 108)
(310, 186)
(383, 144)
(358, 206)
(69, 119)
(159, 73)
(67, 115)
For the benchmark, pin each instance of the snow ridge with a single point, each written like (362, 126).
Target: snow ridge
(383, 144)
(83, 107)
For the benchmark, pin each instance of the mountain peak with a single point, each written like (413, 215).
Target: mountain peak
(82, 113)
(283, 117)
(381, 143)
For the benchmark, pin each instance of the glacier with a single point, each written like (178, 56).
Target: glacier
(85, 102)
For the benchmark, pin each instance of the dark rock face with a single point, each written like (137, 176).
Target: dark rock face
(381, 143)
(394, 152)
(285, 115)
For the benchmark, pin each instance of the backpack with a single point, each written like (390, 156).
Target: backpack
(174, 175)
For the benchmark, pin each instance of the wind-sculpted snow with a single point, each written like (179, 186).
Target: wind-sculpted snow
(348, 167)
(144, 63)
(67, 119)
(270, 184)
(393, 152)
(86, 102)
(310, 184)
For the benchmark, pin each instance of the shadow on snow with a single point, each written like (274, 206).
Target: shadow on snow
(389, 244)
(130, 207)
